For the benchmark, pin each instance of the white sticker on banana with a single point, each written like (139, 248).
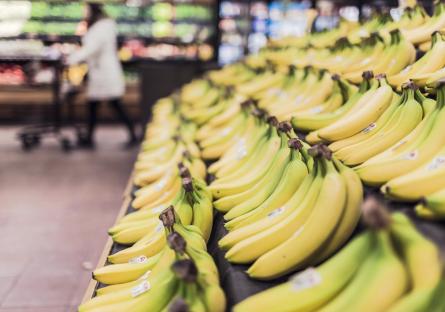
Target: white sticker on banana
(158, 209)
(275, 213)
(369, 128)
(307, 279)
(316, 109)
(138, 260)
(159, 228)
(145, 276)
(140, 289)
(436, 163)
(411, 155)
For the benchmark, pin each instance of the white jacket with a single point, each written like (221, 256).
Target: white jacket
(99, 51)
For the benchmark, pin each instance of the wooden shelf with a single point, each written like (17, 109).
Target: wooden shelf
(89, 293)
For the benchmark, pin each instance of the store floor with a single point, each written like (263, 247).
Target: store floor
(54, 212)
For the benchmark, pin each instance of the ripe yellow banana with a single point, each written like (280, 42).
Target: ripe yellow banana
(320, 224)
(370, 129)
(351, 214)
(423, 264)
(370, 290)
(280, 230)
(323, 120)
(368, 112)
(294, 174)
(312, 288)
(221, 188)
(381, 172)
(262, 189)
(404, 120)
(268, 218)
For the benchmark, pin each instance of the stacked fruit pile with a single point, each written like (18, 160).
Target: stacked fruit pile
(274, 198)
(389, 267)
(362, 100)
(164, 264)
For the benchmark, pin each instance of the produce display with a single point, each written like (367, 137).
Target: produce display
(164, 29)
(388, 267)
(285, 146)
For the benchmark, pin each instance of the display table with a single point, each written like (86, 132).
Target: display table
(236, 284)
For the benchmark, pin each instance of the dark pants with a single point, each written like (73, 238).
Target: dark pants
(116, 104)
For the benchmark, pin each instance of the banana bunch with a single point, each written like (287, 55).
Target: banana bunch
(181, 273)
(164, 147)
(232, 75)
(432, 206)
(422, 32)
(194, 90)
(265, 79)
(224, 130)
(143, 231)
(412, 17)
(298, 98)
(425, 67)
(412, 157)
(396, 55)
(294, 214)
(257, 129)
(390, 266)
(398, 120)
(323, 119)
(368, 108)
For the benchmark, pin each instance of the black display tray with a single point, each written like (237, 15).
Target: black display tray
(238, 286)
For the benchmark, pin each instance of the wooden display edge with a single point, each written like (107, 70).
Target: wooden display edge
(109, 244)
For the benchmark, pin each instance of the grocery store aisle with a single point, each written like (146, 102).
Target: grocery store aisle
(54, 212)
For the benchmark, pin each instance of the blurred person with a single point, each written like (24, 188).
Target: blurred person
(105, 75)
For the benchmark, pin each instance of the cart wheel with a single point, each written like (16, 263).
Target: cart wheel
(35, 140)
(66, 144)
(27, 143)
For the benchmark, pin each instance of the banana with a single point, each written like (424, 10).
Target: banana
(438, 304)
(404, 120)
(294, 175)
(155, 189)
(202, 213)
(401, 54)
(369, 289)
(221, 188)
(423, 264)
(434, 203)
(145, 175)
(266, 219)
(368, 112)
(154, 244)
(307, 100)
(126, 272)
(280, 230)
(318, 121)
(351, 213)
(130, 296)
(370, 129)
(432, 61)
(312, 288)
(380, 172)
(239, 159)
(238, 155)
(148, 201)
(132, 234)
(261, 82)
(320, 224)
(152, 296)
(259, 192)
(407, 143)
(422, 33)
(419, 183)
